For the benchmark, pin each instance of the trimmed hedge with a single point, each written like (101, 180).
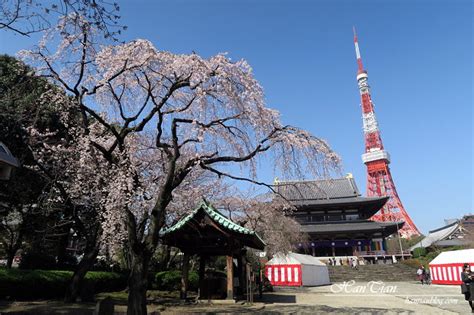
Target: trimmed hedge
(37, 260)
(171, 280)
(51, 284)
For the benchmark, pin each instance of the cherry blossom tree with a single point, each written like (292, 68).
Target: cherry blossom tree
(168, 116)
(25, 17)
(78, 182)
(270, 216)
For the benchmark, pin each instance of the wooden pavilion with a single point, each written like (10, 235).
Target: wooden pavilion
(206, 232)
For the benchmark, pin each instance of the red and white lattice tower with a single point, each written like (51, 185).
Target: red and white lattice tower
(379, 179)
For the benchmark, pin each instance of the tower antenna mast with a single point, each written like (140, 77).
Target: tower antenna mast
(377, 159)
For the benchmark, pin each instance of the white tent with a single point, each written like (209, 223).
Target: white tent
(296, 270)
(446, 268)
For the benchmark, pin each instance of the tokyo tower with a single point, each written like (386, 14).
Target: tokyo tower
(376, 158)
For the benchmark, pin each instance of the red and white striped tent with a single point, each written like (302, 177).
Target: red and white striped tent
(446, 268)
(296, 270)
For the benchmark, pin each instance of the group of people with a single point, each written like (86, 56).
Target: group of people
(423, 275)
(332, 261)
(353, 262)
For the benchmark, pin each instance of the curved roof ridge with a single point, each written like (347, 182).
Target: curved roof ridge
(226, 222)
(445, 226)
(216, 216)
(308, 180)
(437, 235)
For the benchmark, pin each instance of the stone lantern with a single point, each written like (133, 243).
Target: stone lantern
(7, 162)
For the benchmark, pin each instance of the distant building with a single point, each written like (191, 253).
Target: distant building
(7, 162)
(456, 232)
(336, 217)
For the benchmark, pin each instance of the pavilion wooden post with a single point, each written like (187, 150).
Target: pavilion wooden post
(230, 278)
(184, 277)
(202, 269)
(241, 272)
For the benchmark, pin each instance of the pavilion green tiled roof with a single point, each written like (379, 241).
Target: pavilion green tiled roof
(215, 215)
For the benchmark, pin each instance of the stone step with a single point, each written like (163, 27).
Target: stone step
(382, 272)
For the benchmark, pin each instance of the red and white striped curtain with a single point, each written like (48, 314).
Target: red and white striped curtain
(446, 273)
(284, 275)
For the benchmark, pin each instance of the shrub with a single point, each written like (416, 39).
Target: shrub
(193, 281)
(33, 284)
(37, 260)
(50, 284)
(171, 280)
(419, 251)
(431, 255)
(69, 263)
(106, 281)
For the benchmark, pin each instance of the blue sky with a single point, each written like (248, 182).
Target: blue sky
(418, 55)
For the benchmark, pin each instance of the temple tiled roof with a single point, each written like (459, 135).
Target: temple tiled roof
(438, 235)
(328, 193)
(318, 189)
(216, 216)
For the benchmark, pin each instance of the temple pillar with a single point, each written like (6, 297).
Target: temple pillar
(184, 277)
(202, 270)
(230, 278)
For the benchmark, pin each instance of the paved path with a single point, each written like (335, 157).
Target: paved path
(340, 298)
(371, 298)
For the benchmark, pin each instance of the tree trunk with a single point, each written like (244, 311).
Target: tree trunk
(164, 264)
(62, 246)
(77, 279)
(13, 248)
(137, 284)
(10, 257)
(184, 277)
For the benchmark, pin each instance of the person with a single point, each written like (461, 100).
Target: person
(334, 261)
(354, 264)
(340, 261)
(427, 277)
(421, 274)
(330, 262)
(467, 287)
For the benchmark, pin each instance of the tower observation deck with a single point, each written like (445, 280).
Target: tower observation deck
(377, 159)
